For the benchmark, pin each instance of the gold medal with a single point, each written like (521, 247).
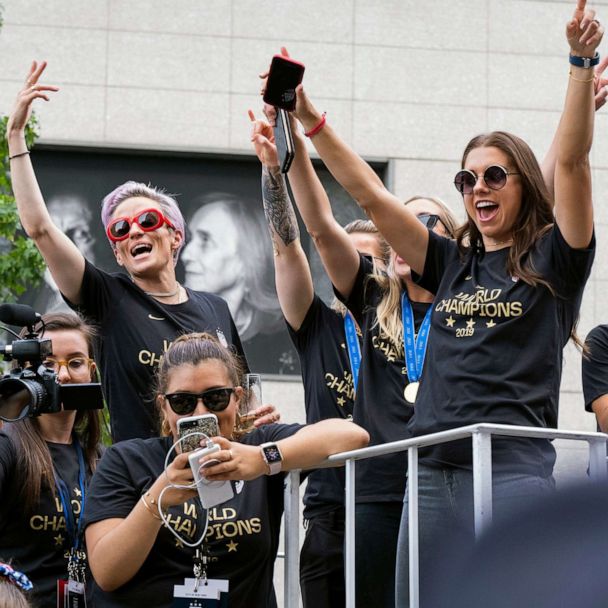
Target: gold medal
(410, 392)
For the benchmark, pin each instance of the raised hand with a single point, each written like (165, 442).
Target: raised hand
(584, 32)
(600, 84)
(32, 90)
(262, 137)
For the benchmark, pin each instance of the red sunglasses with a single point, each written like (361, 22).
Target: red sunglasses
(148, 220)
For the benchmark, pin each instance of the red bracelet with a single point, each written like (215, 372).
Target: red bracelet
(318, 127)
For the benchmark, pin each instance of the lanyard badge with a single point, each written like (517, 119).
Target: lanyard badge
(414, 346)
(71, 592)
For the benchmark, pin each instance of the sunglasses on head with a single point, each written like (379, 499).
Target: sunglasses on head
(494, 176)
(214, 399)
(429, 220)
(147, 220)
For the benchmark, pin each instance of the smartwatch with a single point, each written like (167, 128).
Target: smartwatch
(272, 457)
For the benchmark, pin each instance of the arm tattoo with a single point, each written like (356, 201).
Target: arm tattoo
(278, 207)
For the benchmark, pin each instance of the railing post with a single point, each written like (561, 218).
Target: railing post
(412, 489)
(597, 460)
(482, 480)
(291, 571)
(349, 534)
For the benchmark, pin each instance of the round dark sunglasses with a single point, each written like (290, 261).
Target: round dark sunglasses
(215, 400)
(148, 220)
(494, 176)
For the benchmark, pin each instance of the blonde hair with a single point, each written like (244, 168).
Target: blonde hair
(360, 226)
(388, 310)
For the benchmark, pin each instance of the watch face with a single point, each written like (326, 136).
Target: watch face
(272, 454)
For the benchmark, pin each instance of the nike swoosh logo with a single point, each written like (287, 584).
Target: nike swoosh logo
(156, 318)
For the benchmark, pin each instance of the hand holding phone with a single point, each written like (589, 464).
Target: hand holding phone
(192, 430)
(283, 139)
(284, 76)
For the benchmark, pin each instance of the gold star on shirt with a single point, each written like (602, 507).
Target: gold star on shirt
(341, 401)
(470, 324)
(58, 540)
(450, 321)
(232, 546)
(179, 544)
(490, 323)
(77, 492)
(343, 346)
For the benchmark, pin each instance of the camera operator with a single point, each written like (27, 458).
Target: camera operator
(45, 464)
(134, 559)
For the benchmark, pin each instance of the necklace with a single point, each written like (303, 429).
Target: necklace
(164, 294)
(497, 243)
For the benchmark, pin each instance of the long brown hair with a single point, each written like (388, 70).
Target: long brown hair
(535, 215)
(34, 463)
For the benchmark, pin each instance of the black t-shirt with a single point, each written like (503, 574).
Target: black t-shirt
(243, 533)
(328, 393)
(37, 542)
(380, 407)
(134, 332)
(595, 365)
(495, 348)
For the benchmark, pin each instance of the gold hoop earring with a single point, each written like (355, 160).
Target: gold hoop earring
(165, 428)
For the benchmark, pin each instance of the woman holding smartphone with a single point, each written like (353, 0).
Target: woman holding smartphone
(508, 295)
(136, 560)
(45, 466)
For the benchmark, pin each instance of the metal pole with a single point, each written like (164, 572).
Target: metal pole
(291, 571)
(482, 480)
(349, 534)
(412, 489)
(597, 460)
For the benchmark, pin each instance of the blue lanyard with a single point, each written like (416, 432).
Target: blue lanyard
(354, 348)
(415, 348)
(74, 531)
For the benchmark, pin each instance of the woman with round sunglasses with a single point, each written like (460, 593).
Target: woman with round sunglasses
(45, 466)
(137, 560)
(386, 383)
(508, 293)
(139, 311)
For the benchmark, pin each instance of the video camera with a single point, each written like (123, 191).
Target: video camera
(30, 389)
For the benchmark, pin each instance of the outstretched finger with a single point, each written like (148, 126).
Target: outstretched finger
(579, 11)
(284, 51)
(251, 115)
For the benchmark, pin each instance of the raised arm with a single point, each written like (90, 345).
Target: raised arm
(292, 272)
(600, 87)
(399, 226)
(573, 200)
(64, 260)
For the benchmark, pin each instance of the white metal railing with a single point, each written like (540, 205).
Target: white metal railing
(481, 436)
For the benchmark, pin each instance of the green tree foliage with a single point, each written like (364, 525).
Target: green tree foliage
(21, 266)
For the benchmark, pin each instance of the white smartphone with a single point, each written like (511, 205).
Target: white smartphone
(192, 429)
(211, 493)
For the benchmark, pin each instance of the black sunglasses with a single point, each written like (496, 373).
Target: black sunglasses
(494, 176)
(215, 400)
(429, 220)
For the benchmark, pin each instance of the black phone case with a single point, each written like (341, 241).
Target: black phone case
(283, 139)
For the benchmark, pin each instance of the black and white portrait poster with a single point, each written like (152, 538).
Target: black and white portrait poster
(228, 249)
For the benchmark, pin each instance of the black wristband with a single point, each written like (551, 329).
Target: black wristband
(18, 155)
(585, 62)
